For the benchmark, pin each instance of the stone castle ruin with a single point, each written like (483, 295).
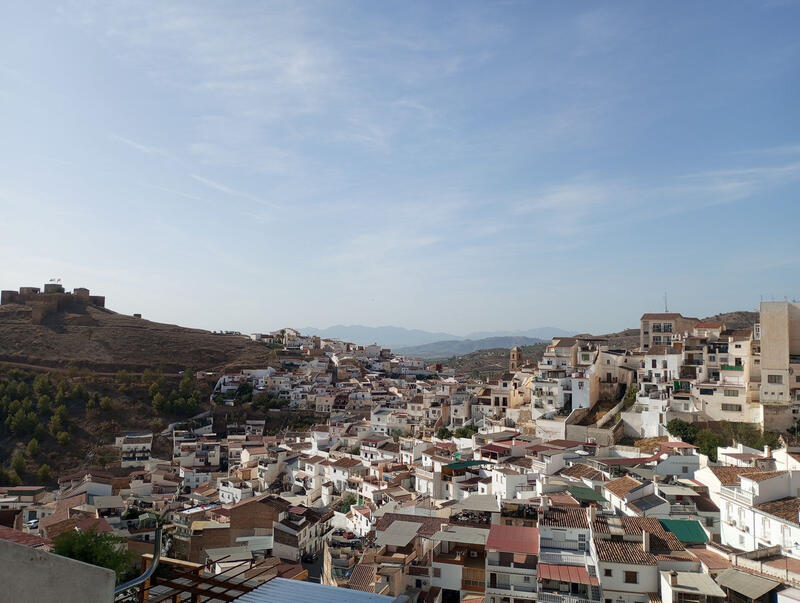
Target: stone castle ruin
(52, 299)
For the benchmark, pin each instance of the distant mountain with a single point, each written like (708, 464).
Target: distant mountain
(543, 333)
(460, 347)
(399, 337)
(387, 336)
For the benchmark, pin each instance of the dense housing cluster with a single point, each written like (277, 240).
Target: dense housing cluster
(563, 480)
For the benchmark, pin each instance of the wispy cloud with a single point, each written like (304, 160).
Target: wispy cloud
(217, 186)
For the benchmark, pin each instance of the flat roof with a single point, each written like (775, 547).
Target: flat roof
(300, 591)
(399, 533)
(462, 534)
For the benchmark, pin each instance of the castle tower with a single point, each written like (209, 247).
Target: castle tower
(515, 360)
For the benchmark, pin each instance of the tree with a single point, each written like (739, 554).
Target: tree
(105, 404)
(63, 439)
(466, 432)
(44, 473)
(159, 402)
(41, 385)
(186, 386)
(348, 501)
(43, 404)
(102, 549)
(33, 448)
(444, 433)
(708, 441)
(18, 463)
(683, 430)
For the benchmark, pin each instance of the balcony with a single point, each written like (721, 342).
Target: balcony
(731, 367)
(545, 597)
(737, 494)
(561, 557)
(677, 509)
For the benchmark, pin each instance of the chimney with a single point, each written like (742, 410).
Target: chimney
(767, 452)
(673, 577)
(545, 504)
(591, 513)
(645, 541)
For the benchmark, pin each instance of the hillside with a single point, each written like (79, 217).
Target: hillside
(97, 339)
(460, 347)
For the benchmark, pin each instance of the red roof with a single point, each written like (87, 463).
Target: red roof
(31, 540)
(513, 539)
(566, 573)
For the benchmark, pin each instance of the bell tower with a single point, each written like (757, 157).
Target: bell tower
(515, 360)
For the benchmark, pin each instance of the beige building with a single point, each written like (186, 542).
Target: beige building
(658, 329)
(779, 390)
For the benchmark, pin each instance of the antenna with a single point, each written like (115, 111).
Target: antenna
(666, 310)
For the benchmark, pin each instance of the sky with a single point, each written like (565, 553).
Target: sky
(449, 166)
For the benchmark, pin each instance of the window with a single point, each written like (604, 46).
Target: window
(731, 393)
(711, 358)
(732, 407)
(684, 469)
(607, 573)
(585, 357)
(437, 572)
(526, 578)
(775, 379)
(667, 327)
(631, 577)
(706, 391)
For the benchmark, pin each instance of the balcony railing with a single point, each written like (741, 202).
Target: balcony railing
(737, 494)
(563, 558)
(546, 597)
(731, 367)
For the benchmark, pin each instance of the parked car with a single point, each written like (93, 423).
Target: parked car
(310, 557)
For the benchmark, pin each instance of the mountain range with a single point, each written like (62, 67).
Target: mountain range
(400, 337)
(460, 347)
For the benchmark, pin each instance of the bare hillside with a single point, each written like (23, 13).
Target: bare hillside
(100, 340)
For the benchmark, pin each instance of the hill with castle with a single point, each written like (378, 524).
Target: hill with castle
(51, 328)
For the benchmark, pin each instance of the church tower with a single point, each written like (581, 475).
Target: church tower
(515, 360)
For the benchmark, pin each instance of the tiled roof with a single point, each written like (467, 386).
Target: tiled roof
(568, 518)
(623, 552)
(580, 471)
(621, 486)
(730, 476)
(662, 542)
(363, 578)
(784, 508)
(763, 475)
(31, 540)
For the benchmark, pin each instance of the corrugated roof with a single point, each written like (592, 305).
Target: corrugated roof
(749, 585)
(584, 493)
(513, 539)
(688, 531)
(299, 591)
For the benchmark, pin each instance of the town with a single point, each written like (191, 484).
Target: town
(668, 472)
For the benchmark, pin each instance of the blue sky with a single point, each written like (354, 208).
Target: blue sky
(448, 166)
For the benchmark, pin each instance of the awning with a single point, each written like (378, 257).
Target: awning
(746, 584)
(566, 573)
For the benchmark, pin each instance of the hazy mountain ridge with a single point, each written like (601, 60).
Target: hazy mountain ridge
(400, 337)
(460, 347)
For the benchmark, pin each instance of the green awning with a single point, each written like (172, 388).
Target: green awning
(583, 493)
(464, 464)
(688, 531)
